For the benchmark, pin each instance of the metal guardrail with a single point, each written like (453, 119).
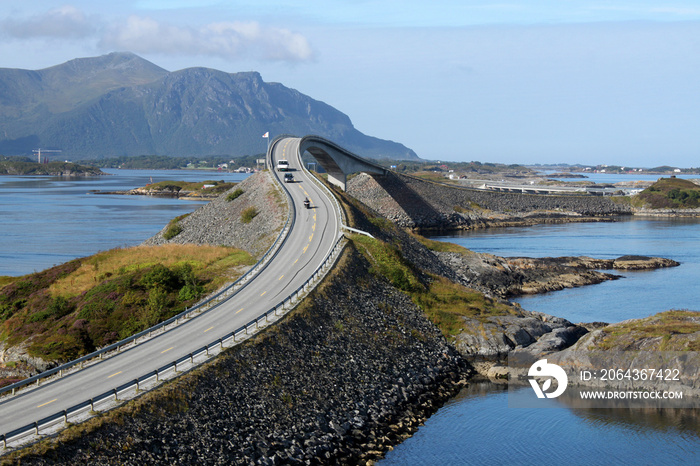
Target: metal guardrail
(278, 310)
(213, 301)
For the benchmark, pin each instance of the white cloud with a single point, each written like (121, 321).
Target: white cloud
(65, 22)
(228, 40)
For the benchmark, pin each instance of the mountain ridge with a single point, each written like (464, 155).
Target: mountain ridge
(121, 104)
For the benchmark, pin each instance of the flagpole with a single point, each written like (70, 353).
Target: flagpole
(267, 136)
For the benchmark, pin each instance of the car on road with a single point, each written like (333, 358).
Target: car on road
(282, 165)
(288, 178)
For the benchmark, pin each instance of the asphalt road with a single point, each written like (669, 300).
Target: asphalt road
(310, 240)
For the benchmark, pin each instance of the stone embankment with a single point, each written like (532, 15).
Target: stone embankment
(420, 204)
(221, 221)
(352, 372)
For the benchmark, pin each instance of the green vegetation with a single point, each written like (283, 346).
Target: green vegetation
(174, 228)
(72, 309)
(444, 302)
(234, 195)
(440, 246)
(24, 166)
(164, 162)
(172, 231)
(675, 330)
(206, 188)
(249, 214)
(433, 176)
(669, 193)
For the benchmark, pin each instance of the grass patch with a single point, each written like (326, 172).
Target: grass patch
(249, 214)
(445, 303)
(437, 177)
(669, 193)
(172, 231)
(74, 308)
(197, 188)
(673, 327)
(235, 194)
(440, 246)
(5, 280)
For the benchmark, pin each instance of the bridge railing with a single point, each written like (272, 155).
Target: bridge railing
(251, 327)
(204, 306)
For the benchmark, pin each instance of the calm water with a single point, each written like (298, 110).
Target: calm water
(617, 178)
(48, 221)
(479, 428)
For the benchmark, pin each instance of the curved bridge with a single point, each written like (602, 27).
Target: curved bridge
(336, 161)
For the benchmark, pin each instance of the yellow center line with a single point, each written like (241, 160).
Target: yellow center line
(165, 351)
(263, 293)
(208, 329)
(48, 402)
(280, 278)
(305, 248)
(296, 260)
(311, 237)
(239, 310)
(114, 374)
(313, 227)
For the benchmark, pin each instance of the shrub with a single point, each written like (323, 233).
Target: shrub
(234, 195)
(173, 230)
(249, 214)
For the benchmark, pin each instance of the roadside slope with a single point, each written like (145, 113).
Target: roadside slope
(222, 222)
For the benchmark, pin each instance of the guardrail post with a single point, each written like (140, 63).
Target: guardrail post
(115, 395)
(36, 428)
(4, 441)
(65, 416)
(157, 376)
(137, 385)
(175, 367)
(191, 358)
(92, 405)
(60, 372)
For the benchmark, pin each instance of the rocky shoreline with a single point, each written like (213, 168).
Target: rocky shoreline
(354, 370)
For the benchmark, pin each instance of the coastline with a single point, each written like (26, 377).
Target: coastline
(404, 424)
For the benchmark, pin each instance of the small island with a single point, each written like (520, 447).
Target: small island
(199, 190)
(22, 166)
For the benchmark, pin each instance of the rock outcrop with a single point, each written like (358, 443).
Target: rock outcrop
(514, 276)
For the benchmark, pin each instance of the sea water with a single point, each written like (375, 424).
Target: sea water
(478, 427)
(46, 221)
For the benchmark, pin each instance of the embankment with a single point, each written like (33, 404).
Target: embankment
(351, 372)
(419, 204)
(221, 222)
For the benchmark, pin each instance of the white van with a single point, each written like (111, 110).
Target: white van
(282, 165)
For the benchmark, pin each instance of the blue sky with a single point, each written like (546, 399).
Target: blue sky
(570, 81)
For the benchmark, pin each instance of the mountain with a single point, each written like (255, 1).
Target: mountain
(120, 104)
